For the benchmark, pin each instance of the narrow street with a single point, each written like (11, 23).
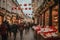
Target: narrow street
(29, 19)
(28, 36)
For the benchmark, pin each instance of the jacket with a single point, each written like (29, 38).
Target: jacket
(3, 29)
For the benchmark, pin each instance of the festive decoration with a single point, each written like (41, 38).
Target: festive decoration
(25, 4)
(16, 8)
(51, 31)
(19, 8)
(25, 8)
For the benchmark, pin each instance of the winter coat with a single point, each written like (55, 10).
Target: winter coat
(8, 25)
(21, 27)
(3, 29)
(14, 28)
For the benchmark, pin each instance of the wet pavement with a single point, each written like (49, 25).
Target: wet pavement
(26, 36)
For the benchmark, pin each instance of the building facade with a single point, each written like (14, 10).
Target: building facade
(35, 5)
(10, 7)
(49, 13)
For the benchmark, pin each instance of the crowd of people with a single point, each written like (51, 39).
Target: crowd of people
(12, 24)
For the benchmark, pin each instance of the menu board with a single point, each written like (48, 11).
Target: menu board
(55, 16)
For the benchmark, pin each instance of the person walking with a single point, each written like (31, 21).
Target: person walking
(14, 27)
(3, 28)
(8, 23)
(21, 28)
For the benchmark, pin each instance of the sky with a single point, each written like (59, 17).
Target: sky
(26, 2)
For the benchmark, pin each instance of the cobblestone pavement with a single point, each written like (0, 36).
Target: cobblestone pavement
(28, 36)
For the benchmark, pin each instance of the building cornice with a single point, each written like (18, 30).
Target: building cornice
(46, 4)
(15, 2)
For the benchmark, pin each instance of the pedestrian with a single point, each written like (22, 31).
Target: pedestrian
(8, 23)
(14, 27)
(25, 27)
(21, 28)
(28, 27)
(3, 28)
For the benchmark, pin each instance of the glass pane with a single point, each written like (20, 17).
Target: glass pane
(55, 16)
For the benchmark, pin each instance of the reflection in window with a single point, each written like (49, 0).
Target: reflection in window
(55, 16)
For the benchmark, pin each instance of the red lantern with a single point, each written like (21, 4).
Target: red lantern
(19, 8)
(29, 8)
(26, 14)
(25, 8)
(25, 4)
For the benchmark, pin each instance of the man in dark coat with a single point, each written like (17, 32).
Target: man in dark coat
(21, 28)
(3, 28)
(14, 27)
(8, 24)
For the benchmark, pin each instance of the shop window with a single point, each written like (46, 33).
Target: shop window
(55, 16)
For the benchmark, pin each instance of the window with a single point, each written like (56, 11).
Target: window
(55, 16)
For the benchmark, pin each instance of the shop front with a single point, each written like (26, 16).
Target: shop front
(55, 16)
(49, 19)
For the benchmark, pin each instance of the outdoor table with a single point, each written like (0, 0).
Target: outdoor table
(41, 36)
(40, 33)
